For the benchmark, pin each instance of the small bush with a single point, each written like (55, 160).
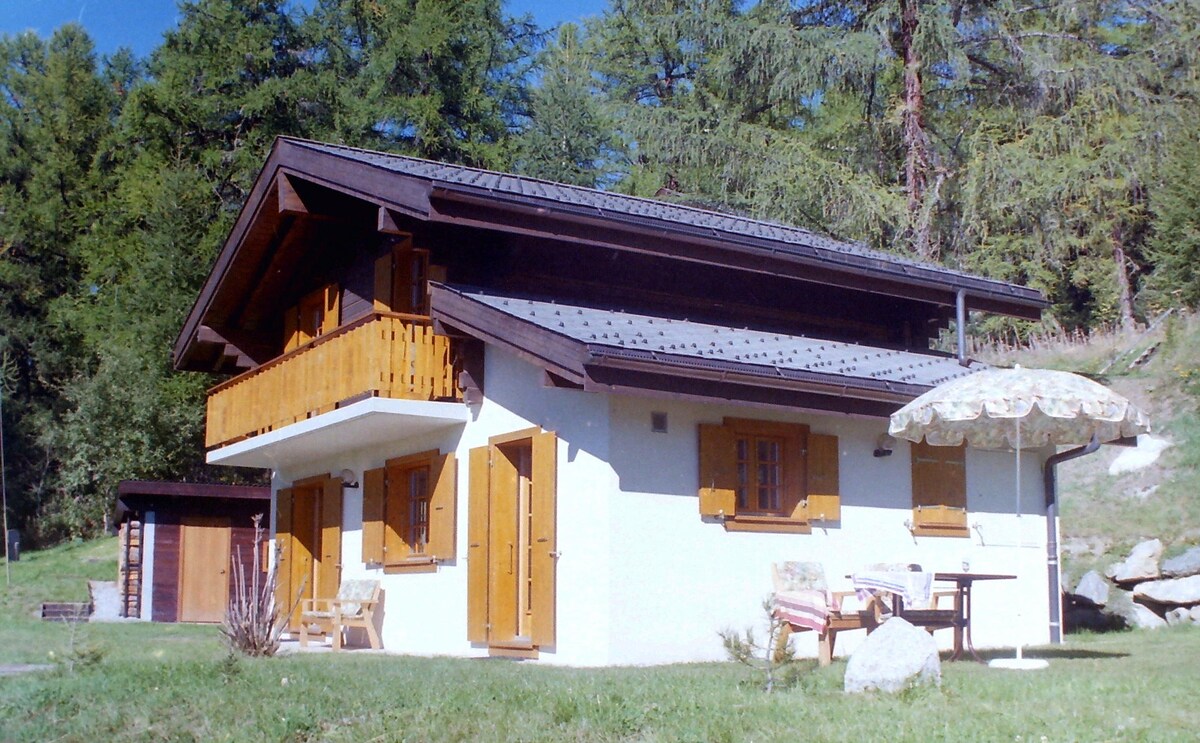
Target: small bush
(772, 656)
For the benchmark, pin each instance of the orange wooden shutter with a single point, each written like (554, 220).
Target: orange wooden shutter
(372, 528)
(824, 498)
(718, 470)
(291, 329)
(939, 489)
(331, 314)
(330, 569)
(795, 472)
(284, 594)
(383, 283)
(477, 544)
(443, 472)
(396, 523)
(543, 538)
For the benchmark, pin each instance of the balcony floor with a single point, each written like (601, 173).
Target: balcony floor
(377, 420)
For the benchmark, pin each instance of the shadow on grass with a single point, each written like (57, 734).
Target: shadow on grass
(1049, 654)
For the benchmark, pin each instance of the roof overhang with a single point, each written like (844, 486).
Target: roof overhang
(299, 176)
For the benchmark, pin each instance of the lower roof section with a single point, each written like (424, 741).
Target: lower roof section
(604, 349)
(376, 420)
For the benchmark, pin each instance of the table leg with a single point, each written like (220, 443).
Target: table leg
(966, 591)
(959, 623)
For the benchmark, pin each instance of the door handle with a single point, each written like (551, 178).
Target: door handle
(511, 558)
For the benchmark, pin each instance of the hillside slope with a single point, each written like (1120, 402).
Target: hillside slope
(1104, 514)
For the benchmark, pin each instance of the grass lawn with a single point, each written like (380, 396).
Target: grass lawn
(177, 682)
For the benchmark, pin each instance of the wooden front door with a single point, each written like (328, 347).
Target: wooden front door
(512, 552)
(308, 535)
(203, 568)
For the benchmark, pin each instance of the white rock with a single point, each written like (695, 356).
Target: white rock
(1142, 563)
(1142, 618)
(1143, 455)
(1195, 614)
(1179, 615)
(1183, 565)
(894, 657)
(106, 601)
(1170, 591)
(1093, 587)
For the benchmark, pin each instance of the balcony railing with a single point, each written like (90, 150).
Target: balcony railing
(380, 355)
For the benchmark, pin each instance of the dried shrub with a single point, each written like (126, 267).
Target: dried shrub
(253, 622)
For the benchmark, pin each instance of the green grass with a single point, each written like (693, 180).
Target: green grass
(177, 682)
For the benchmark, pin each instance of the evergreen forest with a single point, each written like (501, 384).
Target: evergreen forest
(1052, 144)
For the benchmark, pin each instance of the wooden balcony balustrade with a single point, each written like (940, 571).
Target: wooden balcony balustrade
(381, 355)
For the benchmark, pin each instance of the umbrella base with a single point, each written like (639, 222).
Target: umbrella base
(1019, 664)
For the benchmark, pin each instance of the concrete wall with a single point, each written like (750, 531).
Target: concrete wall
(641, 579)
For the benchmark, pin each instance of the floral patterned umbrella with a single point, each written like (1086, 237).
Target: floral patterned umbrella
(1015, 408)
(1008, 408)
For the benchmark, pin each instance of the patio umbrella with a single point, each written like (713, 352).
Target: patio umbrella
(1013, 408)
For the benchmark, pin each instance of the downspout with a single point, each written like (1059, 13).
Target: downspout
(960, 317)
(1051, 487)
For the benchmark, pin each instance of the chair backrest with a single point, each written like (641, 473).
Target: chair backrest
(352, 591)
(796, 576)
(895, 567)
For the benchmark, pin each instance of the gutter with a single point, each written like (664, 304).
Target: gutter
(1052, 566)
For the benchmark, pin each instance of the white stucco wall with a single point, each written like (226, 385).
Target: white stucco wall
(641, 579)
(683, 580)
(147, 566)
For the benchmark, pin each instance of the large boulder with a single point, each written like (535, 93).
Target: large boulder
(894, 657)
(1093, 588)
(1143, 618)
(1179, 615)
(1183, 565)
(1142, 563)
(1177, 591)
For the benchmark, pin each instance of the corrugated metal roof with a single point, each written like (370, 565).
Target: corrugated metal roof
(701, 344)
(789, 239)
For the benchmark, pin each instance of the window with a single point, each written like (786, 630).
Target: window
(768, 476)
(402, 277)
(939, 490)
(316, 314)
(408, 512)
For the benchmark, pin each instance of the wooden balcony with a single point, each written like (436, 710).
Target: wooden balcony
(380, 355)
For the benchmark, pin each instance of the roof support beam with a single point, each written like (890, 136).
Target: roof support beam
(289, 201)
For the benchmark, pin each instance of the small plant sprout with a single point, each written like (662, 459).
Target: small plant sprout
(771, 656)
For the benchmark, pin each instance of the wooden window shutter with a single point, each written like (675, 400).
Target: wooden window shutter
(477, 544)
(291, 329)
(939, 490)
(795, 472)
(331, 315)
(284, 595)
(543, 539)
(824, 499)
(718, 471)
(395, 516)
(329, 572)
(443, 471)
(374, 493)
(383, 283)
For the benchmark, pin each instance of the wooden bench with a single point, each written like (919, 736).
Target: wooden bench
(354, 606)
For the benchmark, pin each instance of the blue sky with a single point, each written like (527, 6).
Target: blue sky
(139, 24)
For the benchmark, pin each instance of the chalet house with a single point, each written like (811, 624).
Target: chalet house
(577, 426)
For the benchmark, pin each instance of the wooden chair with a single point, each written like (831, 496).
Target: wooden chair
(802, 577)
(354, 606)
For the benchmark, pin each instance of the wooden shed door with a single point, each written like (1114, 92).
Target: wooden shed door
(203, 568)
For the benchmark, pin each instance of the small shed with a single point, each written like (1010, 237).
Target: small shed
(179, 542)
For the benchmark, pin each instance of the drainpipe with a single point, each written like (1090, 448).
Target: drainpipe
(960, 316)
(1051, 487)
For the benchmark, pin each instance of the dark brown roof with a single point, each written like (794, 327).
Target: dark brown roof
(583, 344)
(192, 489)
(437, 192)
